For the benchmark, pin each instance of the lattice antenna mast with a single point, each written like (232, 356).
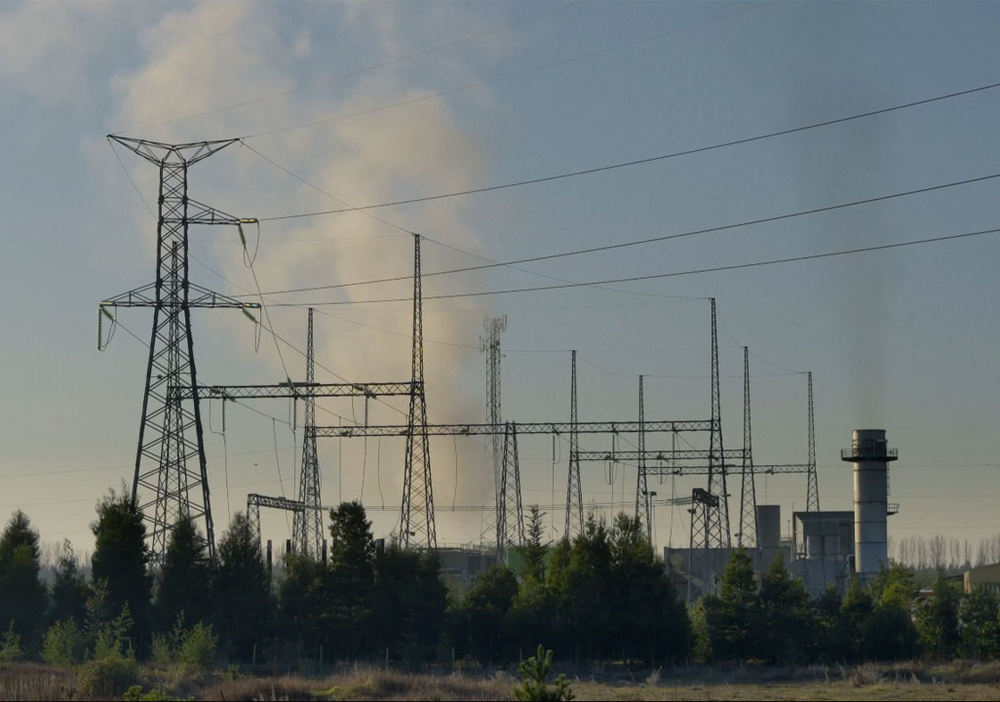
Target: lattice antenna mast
(642, 501)
(717, 527)
(510, 520)
(574, 489)
(748, 491)
(170, 468)
(417, 517)
(812, 489)
(490, 345)
(307, 529)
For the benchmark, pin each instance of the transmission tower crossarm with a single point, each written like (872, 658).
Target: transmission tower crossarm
(656, 455)
(198, 296)
(557, 428)
(296, 390)
(158, 152)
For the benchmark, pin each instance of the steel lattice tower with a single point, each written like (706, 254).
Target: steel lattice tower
(307, 530)
(490, 345)
(748, 490)
(642, 501)
(812, 488)
(574, 489)
(510, 514)
(717, 519)
(417, 517)
(170, 465)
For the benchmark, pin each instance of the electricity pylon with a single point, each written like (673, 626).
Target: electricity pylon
(170, 471)
(574, 489)
(748, 491)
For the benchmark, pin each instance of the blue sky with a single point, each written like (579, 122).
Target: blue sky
(904, 340)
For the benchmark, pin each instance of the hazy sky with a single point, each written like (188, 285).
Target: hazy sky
(464, 95)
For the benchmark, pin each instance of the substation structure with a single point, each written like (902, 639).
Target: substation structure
(170, 461)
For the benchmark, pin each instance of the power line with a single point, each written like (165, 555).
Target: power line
(655, 239)
(656, 276)
(641, 161)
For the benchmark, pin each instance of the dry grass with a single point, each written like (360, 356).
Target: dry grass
(959, 680)
(35, 681)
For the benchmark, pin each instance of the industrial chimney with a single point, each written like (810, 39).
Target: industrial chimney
(870, 456)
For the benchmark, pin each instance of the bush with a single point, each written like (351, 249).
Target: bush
(534, 689)
(11, 649)
(190, 651)
(155, 694)
(65, 644)
(108, 676)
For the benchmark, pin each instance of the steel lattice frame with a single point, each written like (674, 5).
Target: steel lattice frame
(642, 506)
(748, 491)
(307, 529)
(490, 345)
(716, 528)
(417, 516)
(510, 512)
(170, 464)
(812, 486)
(574, 488)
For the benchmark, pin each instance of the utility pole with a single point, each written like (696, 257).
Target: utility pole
(574, 489)
(307, 529)
(748, 492)
(417, 517)
(490, 345)
(170, 469)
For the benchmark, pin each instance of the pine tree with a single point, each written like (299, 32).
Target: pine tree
(121, 560)
(534, 550)
(243, 590)
(22, 594)
(184, 579)
(69, 590)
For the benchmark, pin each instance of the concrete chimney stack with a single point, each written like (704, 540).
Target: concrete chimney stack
(871, 456)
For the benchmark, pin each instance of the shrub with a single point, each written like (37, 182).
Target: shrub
(155, 694)
(65, 644)
(108, 676)
(11, 649)
(190, 651)
(535, 670)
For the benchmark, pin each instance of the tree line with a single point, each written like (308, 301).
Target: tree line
(604, 595)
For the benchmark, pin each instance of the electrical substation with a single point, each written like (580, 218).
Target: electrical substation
(170, 478)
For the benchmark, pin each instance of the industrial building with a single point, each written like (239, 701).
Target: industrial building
(825, 547)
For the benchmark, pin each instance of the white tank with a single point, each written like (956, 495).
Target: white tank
(870, 455)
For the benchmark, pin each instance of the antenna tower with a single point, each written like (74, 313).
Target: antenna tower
(417, 518)
(307, 529)
(170, 469)
(574, 490)
(748, 501)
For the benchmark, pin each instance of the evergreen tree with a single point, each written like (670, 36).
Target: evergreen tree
(69, 590)
(786, 622)
(22, 594)
(856, 609)
(889, 633)
(833, 637)
(243, 590)
(184, 579)
(487, 604)
(534, 550)
(121, 560)
(303, 598)
(937, 620)
(739, 604)
(350, 579)
(650, 623)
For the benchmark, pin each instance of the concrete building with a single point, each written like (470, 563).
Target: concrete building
(823, 549)
(464, 565)
(987, 576)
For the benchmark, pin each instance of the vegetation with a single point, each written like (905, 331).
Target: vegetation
(155, 631)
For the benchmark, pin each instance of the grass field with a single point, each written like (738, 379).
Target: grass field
(956, 681)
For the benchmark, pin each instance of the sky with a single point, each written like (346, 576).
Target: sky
(366, 103)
